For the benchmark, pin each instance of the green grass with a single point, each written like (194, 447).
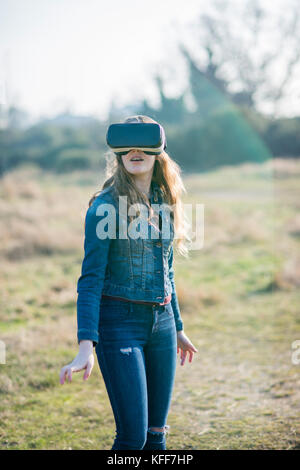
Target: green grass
(239, 298)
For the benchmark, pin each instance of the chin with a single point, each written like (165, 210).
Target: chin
(134, 171)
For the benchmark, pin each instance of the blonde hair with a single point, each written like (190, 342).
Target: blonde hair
(166, 173)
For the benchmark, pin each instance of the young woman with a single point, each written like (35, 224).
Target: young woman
(127, 305)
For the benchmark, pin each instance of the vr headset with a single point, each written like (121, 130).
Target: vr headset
(148, 137)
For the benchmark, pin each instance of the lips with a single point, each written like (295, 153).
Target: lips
(136, 159)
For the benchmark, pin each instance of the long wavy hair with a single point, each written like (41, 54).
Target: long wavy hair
(166, 173)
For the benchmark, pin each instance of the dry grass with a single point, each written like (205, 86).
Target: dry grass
(239, 298)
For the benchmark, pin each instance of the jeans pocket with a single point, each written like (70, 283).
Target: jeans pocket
(169, 309)
(113, 311)
(166, 313)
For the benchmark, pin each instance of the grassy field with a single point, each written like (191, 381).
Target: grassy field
(239, 298)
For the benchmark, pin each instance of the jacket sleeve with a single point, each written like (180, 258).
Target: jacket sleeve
(90, 283)
(174, 301)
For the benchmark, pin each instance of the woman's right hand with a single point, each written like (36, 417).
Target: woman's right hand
(83, 360)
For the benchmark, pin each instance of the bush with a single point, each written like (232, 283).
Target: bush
(72, 159)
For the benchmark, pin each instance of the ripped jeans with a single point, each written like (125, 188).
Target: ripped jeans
(137, 353)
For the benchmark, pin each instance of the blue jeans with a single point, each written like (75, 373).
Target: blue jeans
(137, 353)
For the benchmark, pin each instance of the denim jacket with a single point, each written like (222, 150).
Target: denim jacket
(130, 268)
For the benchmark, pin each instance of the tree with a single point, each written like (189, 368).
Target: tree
(241, 44)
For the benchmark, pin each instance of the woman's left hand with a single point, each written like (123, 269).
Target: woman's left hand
(186, 346)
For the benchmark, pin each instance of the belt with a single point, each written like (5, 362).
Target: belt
(166, 301)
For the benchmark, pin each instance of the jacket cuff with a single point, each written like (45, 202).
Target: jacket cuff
(179, 326)
(91, 335)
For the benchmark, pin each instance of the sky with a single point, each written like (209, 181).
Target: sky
(81, 54)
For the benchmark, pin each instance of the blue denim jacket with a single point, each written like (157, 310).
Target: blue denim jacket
(130, 268)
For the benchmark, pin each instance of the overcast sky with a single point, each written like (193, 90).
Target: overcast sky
(82, 53)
